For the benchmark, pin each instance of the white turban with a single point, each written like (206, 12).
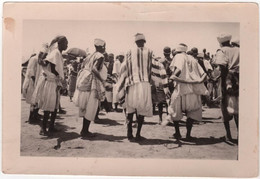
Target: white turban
(224, 38)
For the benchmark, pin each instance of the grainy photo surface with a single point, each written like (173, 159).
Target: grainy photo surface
(163, 87)
(131, 89)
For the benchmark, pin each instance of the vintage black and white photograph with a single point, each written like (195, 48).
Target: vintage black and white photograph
(130, 89)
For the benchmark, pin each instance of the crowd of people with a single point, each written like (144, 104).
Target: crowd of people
(182, 81)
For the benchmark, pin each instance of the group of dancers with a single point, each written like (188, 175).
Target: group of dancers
(137, 80)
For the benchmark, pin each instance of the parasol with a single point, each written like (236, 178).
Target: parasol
(77, 52)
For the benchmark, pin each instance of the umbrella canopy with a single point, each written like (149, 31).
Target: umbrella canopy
(77, 52)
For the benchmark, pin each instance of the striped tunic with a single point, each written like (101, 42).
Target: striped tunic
(140, 66)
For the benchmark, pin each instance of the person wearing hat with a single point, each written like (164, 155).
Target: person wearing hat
(138, 97)
(188, 77)
(31, 79)
(158, 95)
(50, 92)
(90, 87)
(228, 60)
(135, 85)
(235, 43)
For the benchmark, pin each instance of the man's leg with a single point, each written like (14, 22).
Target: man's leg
(226, 119)
(85, 129)
(140, 121)
(160, 109)
(61, 111)
(44, 123)
(36, 113)
(97, 118)
(154, 105)
(228, 133)
(189, 124)
(129, 126)
(236, 119)
(31, 115)
(53, 117)
(116, 104)
(177, 134)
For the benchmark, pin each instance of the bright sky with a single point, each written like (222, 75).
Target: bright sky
(119, 35)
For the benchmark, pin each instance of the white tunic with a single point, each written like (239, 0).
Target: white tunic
(50, 97)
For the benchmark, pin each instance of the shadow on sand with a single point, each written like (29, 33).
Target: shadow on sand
(107, 122)
(62, 135)
(184, 141)
(204, 141)
(105, 137)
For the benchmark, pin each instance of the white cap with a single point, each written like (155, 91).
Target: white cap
(139, 36)
(44, 48)
(236, 41)
(99, 42)
(224, 38)
(181, 48)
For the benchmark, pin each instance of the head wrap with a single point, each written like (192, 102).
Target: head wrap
(224, 38)
(167, 50)
(181, 48)
(57, 39)
(44, 48)
(235, 41)
(194, 51)
(111, 55)
(99, 42)
(139, 36)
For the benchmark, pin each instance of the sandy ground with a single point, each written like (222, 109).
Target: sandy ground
(111, 141)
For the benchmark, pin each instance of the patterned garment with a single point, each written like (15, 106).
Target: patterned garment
(143, 68)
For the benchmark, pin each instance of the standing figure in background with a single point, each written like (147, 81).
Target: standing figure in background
(90, 87)
(228, 60)
(31, 79)
(73, 72)
(116, 71)
(159, 97)
(53, 72)
(200, 59)
(109, 62)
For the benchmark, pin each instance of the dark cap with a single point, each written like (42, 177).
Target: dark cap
(167, 50)
(194, 50)
(111, 55)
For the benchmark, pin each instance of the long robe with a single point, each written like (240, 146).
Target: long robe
(89, 89)
(186, 97)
